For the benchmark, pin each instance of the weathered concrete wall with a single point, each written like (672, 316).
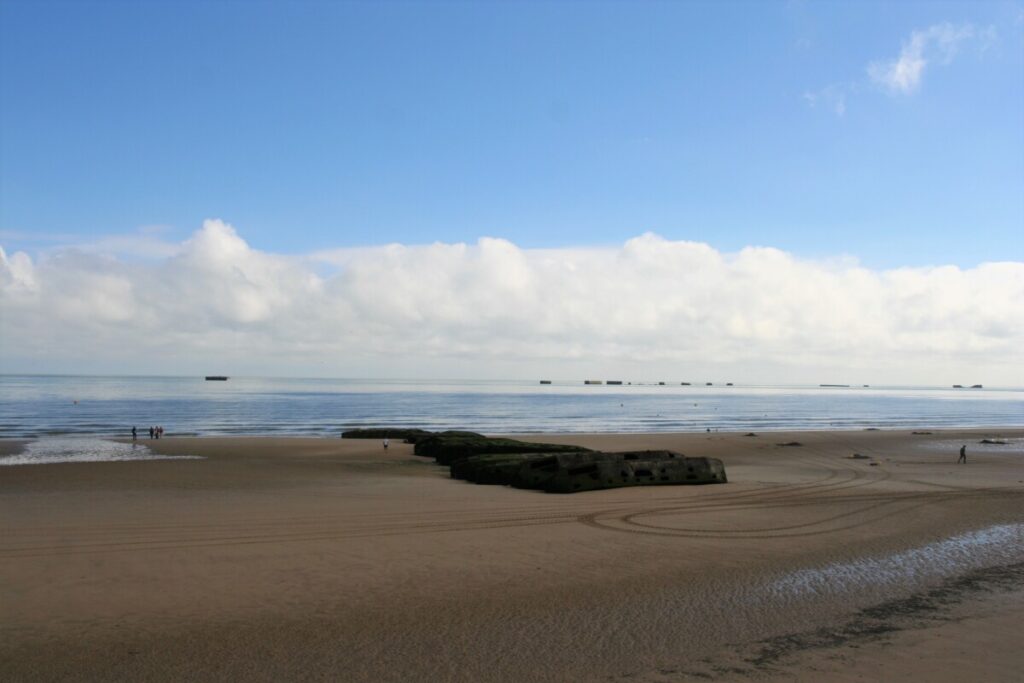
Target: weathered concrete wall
(588, 471)
(383, 432)
(612, 473)
(556, 468)
(446, 449)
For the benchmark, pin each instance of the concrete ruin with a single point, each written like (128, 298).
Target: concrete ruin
(588, 470)
(407, 434)
(555, 468)
(447, 448)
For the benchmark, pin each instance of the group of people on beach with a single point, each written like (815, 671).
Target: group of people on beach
(154, 433)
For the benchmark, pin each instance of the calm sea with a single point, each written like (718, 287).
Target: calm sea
(32, 406)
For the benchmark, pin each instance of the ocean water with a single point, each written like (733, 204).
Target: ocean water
(33, 406)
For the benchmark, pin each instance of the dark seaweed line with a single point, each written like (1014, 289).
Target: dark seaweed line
(870, 624)
(893, 615)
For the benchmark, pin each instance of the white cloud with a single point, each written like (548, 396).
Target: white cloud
(477, 310)
(16, 273)
(146, 242)
(938, 44)
(832, 96)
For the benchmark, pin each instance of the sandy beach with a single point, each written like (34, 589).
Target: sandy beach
(317, 559)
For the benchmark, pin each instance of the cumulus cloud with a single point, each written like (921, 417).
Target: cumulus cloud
(671, 306)
(16, 273)
(937, 44)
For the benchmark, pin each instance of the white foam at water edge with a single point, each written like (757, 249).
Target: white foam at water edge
(999, 444)
(999, 544)
(52, 450)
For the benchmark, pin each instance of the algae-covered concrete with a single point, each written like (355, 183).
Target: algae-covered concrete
(408, 434)
(383, 433)
(556, 468)
(587, 471)
(447, 448)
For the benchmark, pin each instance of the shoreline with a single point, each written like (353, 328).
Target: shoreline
(324, 558)
(8, 442)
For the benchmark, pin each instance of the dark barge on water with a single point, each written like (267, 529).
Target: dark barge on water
(216, 378)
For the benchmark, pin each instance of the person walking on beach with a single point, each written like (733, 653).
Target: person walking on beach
(135, 433)
(385, 443)
(963, 455)
(152, 431)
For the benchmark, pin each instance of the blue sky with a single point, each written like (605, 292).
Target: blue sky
(770, 192)
(312, 126)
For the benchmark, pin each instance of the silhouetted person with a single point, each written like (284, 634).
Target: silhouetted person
(135, 434)
(963, 455)
(152, 431)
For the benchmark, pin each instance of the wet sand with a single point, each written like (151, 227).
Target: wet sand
(314, 559)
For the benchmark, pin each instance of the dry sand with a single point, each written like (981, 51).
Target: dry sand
(314, 559)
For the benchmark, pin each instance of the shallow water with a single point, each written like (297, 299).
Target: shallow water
(1013, 446)
(51, 450)
(995, 545)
